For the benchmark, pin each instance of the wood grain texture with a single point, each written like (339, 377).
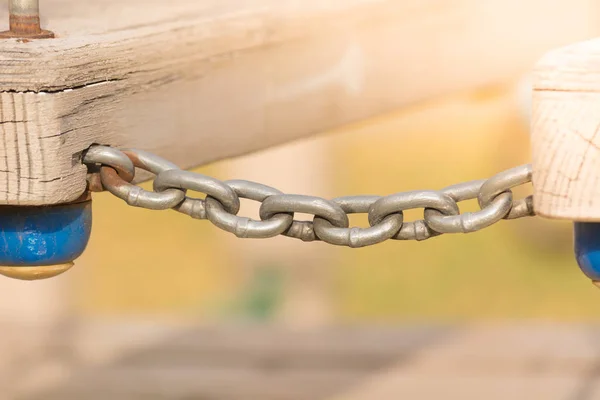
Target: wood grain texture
(566, 133)
(196, 81)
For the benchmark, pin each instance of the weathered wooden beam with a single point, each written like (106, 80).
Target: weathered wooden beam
(566, 133)
(196, 81)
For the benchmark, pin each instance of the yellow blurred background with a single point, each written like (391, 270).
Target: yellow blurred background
(165, 263)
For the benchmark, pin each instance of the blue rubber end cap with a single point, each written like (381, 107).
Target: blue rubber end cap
(40, 242)
(587, 248)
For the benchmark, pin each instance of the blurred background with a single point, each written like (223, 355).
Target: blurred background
(162, 306)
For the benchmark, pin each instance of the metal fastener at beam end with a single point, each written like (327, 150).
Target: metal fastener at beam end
(24, 21)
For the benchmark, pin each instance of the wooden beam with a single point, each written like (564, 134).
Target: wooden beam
(566, 133)
(196, 81)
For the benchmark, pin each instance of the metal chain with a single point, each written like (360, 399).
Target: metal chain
(114, 170)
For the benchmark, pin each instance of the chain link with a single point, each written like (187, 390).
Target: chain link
(114, 170)
(244, 227)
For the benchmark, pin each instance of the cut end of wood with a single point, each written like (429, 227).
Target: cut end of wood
(566, 133)
(570, 68)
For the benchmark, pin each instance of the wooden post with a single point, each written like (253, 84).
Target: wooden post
(566, 133)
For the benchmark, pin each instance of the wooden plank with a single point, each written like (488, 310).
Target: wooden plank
(566, 133)
(525, 361)
(198, 81)
(518, 361)
(243, 363)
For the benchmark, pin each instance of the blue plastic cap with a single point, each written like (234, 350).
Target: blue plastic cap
(587, 248)
(44, 236)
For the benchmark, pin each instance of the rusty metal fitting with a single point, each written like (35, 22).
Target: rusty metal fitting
(97, 156)
(24, 21)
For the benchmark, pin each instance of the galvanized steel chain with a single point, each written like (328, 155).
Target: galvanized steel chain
(114, 170)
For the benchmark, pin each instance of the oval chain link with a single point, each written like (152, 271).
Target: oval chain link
(469, 222)
(417, 230)
(297, 203)
(243, 227)
(504, 181)
(98, 156)
(358, 237)
(187, 180)
(135, 195)
(330, 217)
